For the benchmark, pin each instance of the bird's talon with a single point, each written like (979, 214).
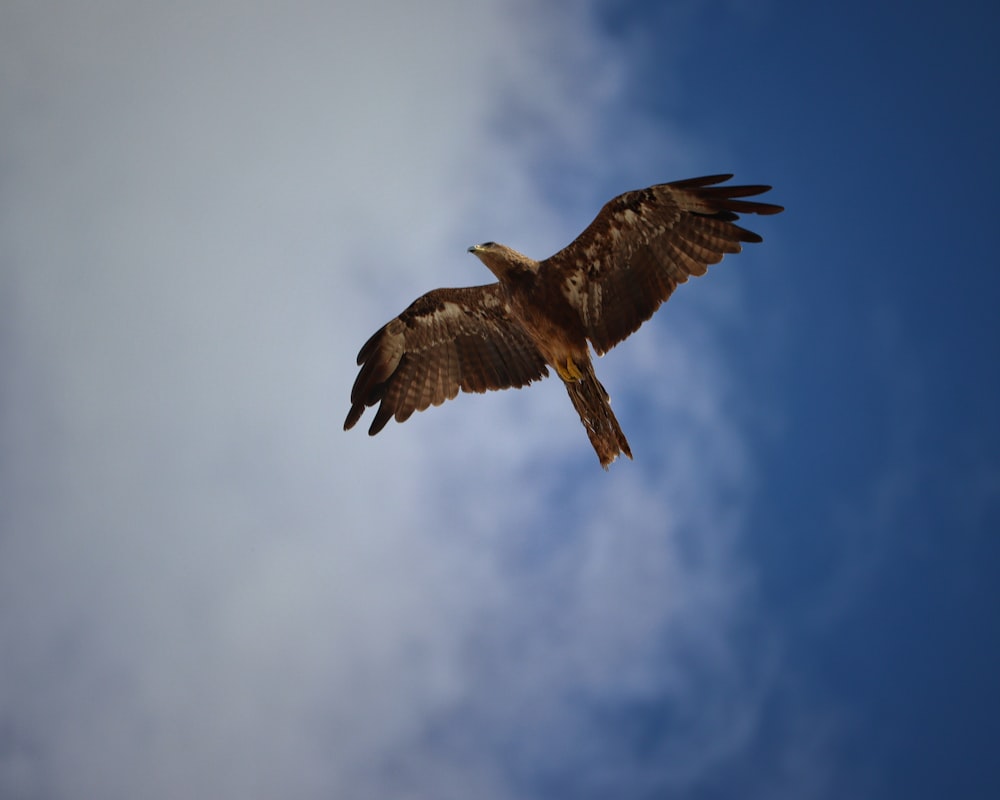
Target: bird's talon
(570, 372)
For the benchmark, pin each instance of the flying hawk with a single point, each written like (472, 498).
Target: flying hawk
(541, 314)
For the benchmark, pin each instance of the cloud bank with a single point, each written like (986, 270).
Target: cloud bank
(209, 589)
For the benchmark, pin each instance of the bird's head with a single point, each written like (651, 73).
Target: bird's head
(503, 261)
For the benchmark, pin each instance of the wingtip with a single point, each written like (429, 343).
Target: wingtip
(353, 416)
(382, 416)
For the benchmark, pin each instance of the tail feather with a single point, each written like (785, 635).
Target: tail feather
(591, 401)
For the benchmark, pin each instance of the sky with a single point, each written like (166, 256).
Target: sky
(209, 589)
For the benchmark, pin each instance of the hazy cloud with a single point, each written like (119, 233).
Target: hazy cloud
(209, 589)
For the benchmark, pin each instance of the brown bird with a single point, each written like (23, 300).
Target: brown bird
(600, 289)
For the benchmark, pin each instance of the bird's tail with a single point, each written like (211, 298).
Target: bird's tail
(591, 402)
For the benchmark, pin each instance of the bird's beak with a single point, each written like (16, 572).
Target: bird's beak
(474, 248)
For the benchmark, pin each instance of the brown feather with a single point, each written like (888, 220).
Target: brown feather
(591, 401)
(446, 340)
(601, 288)
(654, 238)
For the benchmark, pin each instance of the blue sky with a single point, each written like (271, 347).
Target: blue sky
(209, 589)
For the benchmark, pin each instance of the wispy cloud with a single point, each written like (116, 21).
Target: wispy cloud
(209, 589)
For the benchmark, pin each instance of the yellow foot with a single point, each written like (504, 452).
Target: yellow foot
(569, 373)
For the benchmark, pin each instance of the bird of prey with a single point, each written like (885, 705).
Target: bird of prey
(541, 314)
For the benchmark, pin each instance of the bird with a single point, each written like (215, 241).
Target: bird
(537, 315)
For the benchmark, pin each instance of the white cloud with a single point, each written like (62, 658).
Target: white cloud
(209, 589)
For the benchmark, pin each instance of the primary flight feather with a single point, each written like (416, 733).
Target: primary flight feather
(541, 314)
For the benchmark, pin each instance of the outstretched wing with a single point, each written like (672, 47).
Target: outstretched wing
(447, 340)
(643, 244)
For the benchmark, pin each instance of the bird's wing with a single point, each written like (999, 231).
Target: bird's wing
(643, 244)
(446, 340)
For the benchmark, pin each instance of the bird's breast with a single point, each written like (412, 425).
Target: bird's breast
(553, 326)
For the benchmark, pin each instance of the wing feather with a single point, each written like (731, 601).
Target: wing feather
(643, 244)
(445, 341)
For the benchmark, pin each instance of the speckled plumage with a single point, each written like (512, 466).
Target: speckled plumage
(599, 289)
